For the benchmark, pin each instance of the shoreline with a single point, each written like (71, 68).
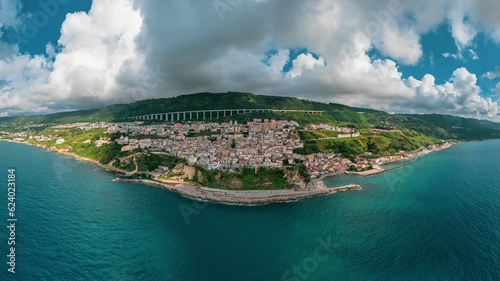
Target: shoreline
(221, 196)
(241, 197)
(379, 169)
(77, 157)
(376, 171)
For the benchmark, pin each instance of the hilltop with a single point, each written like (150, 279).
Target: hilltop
(198, 101)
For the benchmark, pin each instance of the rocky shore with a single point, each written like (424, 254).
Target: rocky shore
(244, 197)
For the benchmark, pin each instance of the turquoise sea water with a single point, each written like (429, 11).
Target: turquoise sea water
(437, 219)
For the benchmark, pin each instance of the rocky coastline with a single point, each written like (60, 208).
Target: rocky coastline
(315, 188)
(243, 197)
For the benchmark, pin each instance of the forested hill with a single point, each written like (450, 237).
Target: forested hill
(199, 101)
(440, 126)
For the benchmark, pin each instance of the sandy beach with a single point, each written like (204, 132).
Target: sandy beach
(376, 170)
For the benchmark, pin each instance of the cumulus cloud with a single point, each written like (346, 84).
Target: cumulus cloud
(304, 62)
(95, 50)
(278, 61)
(127, 50)
(402, 45)
(459, 96)
(21, 76)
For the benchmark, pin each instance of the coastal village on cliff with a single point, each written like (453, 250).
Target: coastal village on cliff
(230, 146)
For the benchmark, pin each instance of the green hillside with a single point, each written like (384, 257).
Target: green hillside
(199, 101)
(432, 125)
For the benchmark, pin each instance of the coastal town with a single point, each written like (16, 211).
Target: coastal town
(231, 146)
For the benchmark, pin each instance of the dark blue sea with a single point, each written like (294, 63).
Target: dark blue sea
(436, 219)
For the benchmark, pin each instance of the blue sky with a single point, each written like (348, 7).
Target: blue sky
(438, 56)
(440, 41)
(50, 32)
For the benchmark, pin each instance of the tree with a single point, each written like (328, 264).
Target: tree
(233, 144)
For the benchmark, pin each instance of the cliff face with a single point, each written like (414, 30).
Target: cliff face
(232, 183)
(316, 185)
(185, 172)
(182, 172)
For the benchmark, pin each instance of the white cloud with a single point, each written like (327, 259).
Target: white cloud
(22, 75)
(470, 54)
(473, 54)
(9, 14)
(126, 50)
(95, 49)
(492, 74)
(402, 45)
(304, 62)
(461, 29)
(485, 15)
(459, 96)
(449, 55)
(279, 60)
